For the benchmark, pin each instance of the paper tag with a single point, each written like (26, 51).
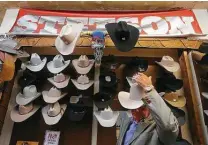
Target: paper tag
(52, 137)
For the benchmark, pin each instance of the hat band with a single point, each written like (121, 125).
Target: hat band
(83, 65)
(26, 112)
(61, 112)
(68, 39)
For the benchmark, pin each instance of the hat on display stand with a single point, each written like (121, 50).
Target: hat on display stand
(35, 64)
(52, 113)
(59, 80)
(138, 64)
(68, 37)
(124, 36)
(83, 65)
(29, 94)
(169, 64)
(53, 95)
(108, 79)
(27, 79)
(21, 113)
(58, 64)
(82, 82)
(205, 95)
(107, 117)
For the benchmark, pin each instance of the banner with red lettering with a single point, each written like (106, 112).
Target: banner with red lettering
(150, 24)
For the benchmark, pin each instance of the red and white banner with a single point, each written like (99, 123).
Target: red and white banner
(151, 24)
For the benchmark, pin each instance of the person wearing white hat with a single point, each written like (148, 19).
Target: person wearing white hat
(107, 117)
(66, 41)
(83, 65)
(169, 64)
(151, 124)
(29, 94)
(35, 64)
(53, 95)
(22, 112)
(59, 80)
(58, 64)
(52, 113)
(82, 82)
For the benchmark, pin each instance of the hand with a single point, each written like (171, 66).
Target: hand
(143, 80)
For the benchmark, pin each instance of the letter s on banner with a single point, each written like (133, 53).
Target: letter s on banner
(26, 24)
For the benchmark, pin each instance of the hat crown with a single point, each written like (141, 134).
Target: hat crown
(24, 109)
(59, 78)
(58, 61)
(171, 97)
(135, 93)
(67, 34)
(29, 91)
(83, 79)
(122, 31)
(107, 114)
(54, 92)
(54, 109)
(35, 59)
(167, 61)
(83, 61)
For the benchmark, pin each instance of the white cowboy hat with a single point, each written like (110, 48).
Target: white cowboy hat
(107, 117)
(131, 100)
(53, 95)
(20, 113)
(66, 41)
(82, 83)
(52, 113)
(57, 64)
(206, 112)
(35, 64)
(169, 64)
(205, 95)
(29, 94)
(59, 80)
(83, 65)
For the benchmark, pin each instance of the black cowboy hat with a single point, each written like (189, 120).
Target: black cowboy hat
(124, 36)
(108, 80)
(138, 64)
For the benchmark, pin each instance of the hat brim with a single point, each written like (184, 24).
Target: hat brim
(16, 117)
(81, 70)
(37, 67)
(52, 120)
(54, 70)
(68, 49)
(126, 102)
(205, 95)
(173, 68)
(107, 123)
(22, 100)
(49, 99)
(61, 84)
(179, 104)
(123, 46)
(82, 87)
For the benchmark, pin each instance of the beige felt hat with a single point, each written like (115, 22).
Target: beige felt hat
(175, 100)
(52, 113)
(82, 82)
(59, 80)
(83, 65)
(53, 95)
(169, 64)
(21, 113)
(66, 41)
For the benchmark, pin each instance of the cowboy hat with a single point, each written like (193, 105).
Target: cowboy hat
(35, 64)
(59, 80)
(108, 79)
(137, 64)
(27, 79)
(168, 64)
(9, 46)
(107, 117)
(29, 94)
(82, 82)
(20, 113)
(53, 95)
(205, 95)
(57, 64)
(66, 41)
(52, 113)
(124, 36)
(206, 112)
(83, 65)
(174, 99)
(103, 99)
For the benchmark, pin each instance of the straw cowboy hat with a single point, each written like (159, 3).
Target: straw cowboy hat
(59, 80)
(107, 118)
(132, 100)
(29, 94)
(57, 64)
(168, 64)
(174, 99)
(52, 113)
(83, 65)
(82, 82)
(35, 64)
(20, 113)
(53, 95)
(66, 41)
(205, 95)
